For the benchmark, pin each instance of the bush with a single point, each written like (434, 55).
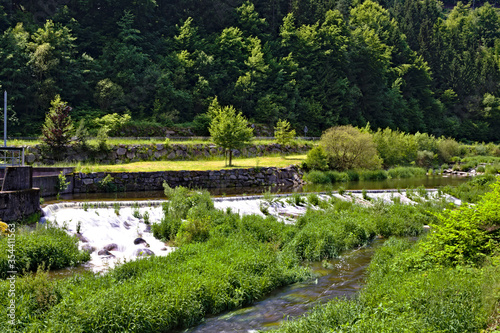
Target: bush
(46, 246)
(447, 149)
(348, 147)
(373, 175)
(317, 159)
(406, 172)
(201, 123)
(112, 123)
(317, 177)
(425, 158)
(395, 148)
(336, 176)
(181, 201)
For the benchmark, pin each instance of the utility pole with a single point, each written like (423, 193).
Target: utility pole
(5, 118)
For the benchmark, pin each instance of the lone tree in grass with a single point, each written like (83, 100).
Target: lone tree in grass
(229, 130)
(58, 126)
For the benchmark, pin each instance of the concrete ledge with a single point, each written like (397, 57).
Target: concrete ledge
(18, 205)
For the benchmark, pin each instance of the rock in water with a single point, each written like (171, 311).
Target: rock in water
(105, 253)
(139, 240)
(111, 247)
(143, 252)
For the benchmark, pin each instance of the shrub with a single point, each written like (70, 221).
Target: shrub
(317, 177)
(447, 149)
(201, 122)
(406, 172)
(348, 147)
(112, 123)
(181, 201)
(336, 176)
(373, 175)
(317, 159)
(395, 147)
(425, 158)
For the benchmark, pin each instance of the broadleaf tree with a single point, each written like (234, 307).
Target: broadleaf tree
(229, 129)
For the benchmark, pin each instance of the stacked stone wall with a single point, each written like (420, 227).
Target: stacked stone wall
(153, 181)
(154, 152)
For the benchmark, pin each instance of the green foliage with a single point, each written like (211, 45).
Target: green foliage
(61, 184)
(395, 147)
(58, 126)
(201, 123)
(349, 148)
(447, 148)
(44, 247)
(206, 278)
(317, 177)
(181, 202)
(473, 190)
(283, 132)
(230, 129)
(406, 172)
(112, 123)
(317, 159)
(467, 235)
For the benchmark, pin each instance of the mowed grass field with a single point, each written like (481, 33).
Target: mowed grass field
(150, 166)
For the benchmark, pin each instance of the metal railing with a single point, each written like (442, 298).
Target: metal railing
(11, 156)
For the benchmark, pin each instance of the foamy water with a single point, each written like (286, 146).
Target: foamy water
(99, 228)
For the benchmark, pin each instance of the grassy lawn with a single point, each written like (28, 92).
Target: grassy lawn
(265, 161)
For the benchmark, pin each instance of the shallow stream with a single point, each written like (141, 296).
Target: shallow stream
(337, 278)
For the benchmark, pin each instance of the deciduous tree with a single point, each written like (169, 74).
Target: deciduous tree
(229, 129)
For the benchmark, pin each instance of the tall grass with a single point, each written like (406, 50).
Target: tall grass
(162, 293)
(46, 246)
(328, 177)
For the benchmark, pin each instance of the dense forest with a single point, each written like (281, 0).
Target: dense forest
(412, 65)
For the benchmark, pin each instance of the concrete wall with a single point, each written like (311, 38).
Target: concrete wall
(17, 205)
(17, 178)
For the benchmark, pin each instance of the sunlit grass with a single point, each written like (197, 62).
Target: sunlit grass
(150, 166)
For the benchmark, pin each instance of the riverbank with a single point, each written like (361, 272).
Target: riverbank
(223, 261)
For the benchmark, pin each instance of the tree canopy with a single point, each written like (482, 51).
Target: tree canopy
(230, 130)
(408, 65)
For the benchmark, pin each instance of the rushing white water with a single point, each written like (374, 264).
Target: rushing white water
(115, 230)
(115, 235)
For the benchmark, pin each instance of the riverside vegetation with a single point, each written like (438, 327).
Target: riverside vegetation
(223, 261)
(449, 281)
(346, 153)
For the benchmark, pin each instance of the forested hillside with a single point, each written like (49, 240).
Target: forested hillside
(405, 64)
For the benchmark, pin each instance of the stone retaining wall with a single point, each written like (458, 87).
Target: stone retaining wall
(156, 152)
(151, 181)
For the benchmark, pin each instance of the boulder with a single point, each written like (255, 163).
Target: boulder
(88, 248)
(82, 238)
(105, 253)
(140, 240)
(110, 247)
(143, 252)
